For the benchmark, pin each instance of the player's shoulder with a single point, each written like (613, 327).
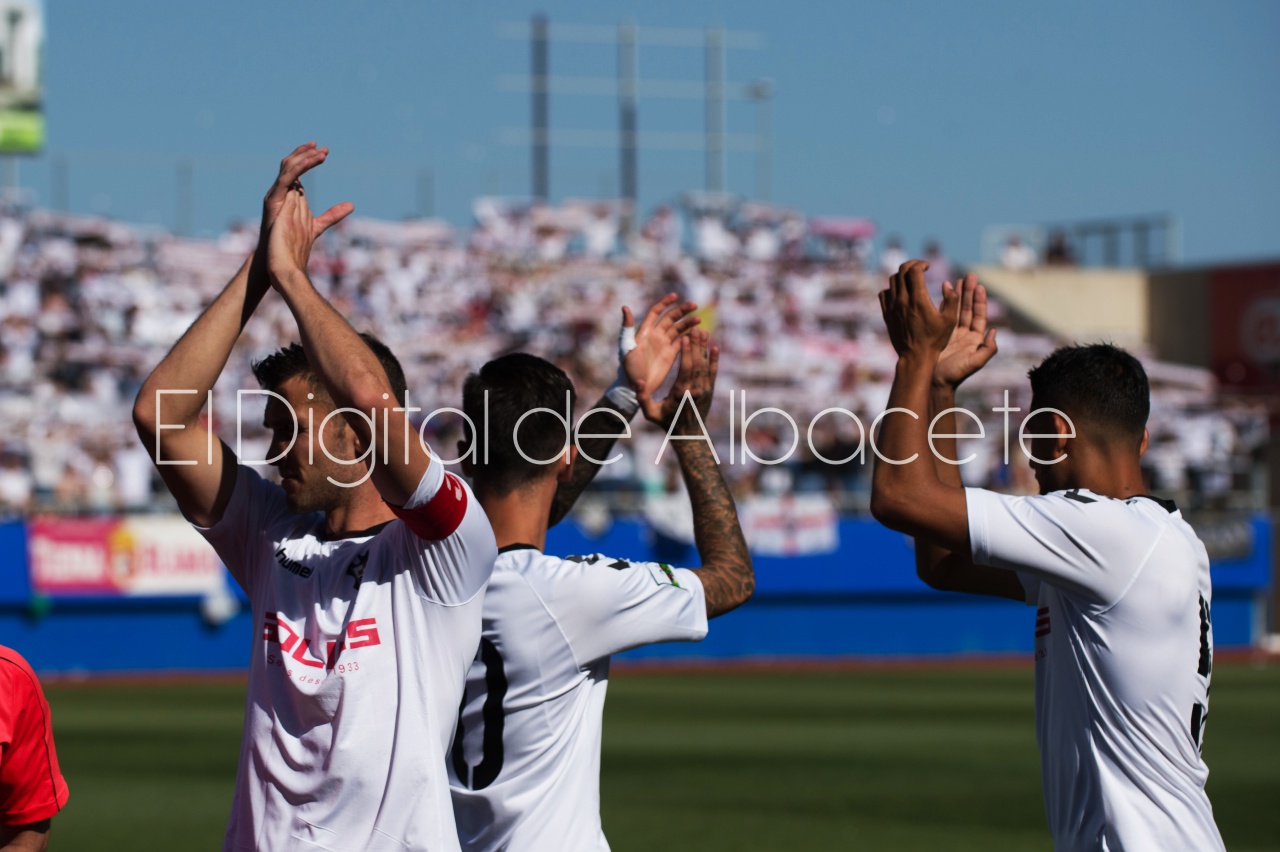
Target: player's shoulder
(16, 673)
(628, 570)
(529, 561)
(1085, 500)
(584, 570)
(1083, 509)
(599, 560)
(11, 659)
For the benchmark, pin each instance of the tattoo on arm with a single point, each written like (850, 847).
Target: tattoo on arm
(728, 579)
(585, 470)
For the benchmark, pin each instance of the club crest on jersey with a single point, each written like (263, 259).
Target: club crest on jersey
(356, 569)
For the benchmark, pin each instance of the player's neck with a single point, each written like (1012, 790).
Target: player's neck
(363, 509)
(1108, 471)
(520, 517)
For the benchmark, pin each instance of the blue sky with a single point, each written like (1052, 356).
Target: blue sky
(1002, 111)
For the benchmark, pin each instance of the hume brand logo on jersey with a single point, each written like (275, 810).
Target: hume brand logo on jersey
(361, 633)
(293, 566)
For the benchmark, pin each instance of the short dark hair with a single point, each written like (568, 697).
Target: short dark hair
(516, 384)
(1099, 386)
(290, 361)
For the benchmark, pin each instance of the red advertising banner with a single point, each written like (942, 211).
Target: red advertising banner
(1245, 327)
(146, 555)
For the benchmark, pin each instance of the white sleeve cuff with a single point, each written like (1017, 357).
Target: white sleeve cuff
(432, 479)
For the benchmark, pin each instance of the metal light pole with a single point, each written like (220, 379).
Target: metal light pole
(761, 92)
(541, 140)
(627, 73)
(715, 110)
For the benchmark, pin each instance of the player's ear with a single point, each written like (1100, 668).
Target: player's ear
(464, 453)
(1064, 431)
(1146, 440)
(566, 473)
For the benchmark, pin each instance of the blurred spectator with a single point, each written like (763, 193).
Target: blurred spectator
(1058, 252)
(601, 233)
(1017, 254)
(712, 240)
(892, 256)
(939, 268)
(662, 234)
(16, 484)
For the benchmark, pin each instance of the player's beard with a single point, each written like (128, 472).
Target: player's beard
(316, 493)
(324, 485)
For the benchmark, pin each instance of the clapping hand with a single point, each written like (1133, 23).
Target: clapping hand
(303, 159)
(699, 363)
(657, 341)
(292, 236)
(917, 328)
(972, 344)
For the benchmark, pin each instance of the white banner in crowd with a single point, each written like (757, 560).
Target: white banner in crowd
(782, 525)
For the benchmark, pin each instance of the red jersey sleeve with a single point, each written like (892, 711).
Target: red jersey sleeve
(31, 785)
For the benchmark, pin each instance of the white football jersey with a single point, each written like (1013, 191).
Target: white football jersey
(361, 648)
(1124, 652)
(525, 763)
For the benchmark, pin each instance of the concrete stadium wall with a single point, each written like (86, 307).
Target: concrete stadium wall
(1077, 304)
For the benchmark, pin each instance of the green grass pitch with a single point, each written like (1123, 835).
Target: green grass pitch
(896, 759)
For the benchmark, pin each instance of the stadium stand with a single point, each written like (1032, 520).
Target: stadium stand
(90, 304)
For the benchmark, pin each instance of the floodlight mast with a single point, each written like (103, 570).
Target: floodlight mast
(628, 71)
(540, 112)
(713, 90)
(715, 110)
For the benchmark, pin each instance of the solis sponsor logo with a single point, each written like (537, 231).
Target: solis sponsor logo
(361, 633)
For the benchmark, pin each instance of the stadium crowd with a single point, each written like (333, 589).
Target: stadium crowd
(88, 306)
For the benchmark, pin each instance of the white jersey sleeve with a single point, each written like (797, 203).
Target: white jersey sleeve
(255, 506)
(1087, 546)
(605, 606)
(445, 538)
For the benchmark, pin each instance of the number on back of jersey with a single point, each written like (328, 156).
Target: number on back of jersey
(1200, 712)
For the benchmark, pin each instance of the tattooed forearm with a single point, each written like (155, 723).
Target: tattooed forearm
(726, 574)
(585, 470)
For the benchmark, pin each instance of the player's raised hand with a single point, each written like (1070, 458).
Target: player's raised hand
(916, 326)
(301, 160)
(972, 343)
(647, 353)
(696, 378)
(292, 236)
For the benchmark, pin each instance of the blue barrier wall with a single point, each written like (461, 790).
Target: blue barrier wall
(865, 599)
(862, 600)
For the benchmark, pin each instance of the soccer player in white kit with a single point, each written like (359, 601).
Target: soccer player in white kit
(365, 567)
(525, 764)
(1124, 643)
